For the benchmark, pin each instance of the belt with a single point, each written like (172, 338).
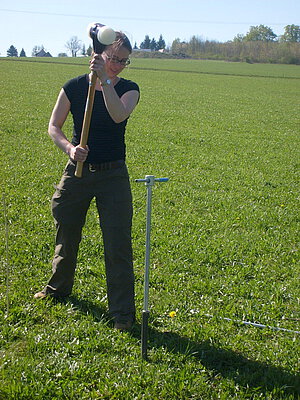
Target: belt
(106, 166)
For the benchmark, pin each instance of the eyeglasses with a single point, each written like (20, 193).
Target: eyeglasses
(114, 59)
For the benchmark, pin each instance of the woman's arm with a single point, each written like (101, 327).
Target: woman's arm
(119, 108)
(57, 120)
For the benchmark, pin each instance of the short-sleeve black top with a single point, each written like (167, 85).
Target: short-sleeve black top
(106, 139)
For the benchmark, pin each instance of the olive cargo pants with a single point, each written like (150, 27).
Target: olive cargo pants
(70, 203)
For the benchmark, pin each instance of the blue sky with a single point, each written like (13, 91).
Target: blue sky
(53, 23)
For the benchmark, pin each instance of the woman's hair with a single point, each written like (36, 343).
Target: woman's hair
(121, 40)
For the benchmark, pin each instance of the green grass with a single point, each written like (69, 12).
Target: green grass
(225, 239)
(189, 66)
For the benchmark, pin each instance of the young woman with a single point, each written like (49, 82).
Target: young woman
(104, 178)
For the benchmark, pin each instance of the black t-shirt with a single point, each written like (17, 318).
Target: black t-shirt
(106, 139)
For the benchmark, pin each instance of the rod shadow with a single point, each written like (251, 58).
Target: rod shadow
(231, 365)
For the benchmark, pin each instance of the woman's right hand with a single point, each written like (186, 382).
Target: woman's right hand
(78, 153)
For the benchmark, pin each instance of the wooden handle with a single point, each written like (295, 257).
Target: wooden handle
(87, 120)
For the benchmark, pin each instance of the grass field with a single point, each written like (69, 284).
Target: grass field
(225, 239)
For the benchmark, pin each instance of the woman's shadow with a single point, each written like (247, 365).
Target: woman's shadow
(229, 364)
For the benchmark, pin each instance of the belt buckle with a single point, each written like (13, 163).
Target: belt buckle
(92, 168)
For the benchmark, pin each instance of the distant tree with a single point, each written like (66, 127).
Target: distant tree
(89, 51)
(291, 34)
(195, 45)
(12, 52)
(161, 44)
(73, 45)
(22, 53)
(62, 55)
(83, 51)
(153, 44)
(179, 48)
(135, 46)
(239, 38)
(175, 48)
(146, 43)
(36, 50)
(260, 33)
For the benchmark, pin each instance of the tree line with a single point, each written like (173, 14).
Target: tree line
(73, 45)
(260, 44)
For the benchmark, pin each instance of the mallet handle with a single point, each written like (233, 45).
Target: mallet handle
(87, 119)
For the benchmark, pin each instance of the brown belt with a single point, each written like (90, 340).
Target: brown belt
(105, 166)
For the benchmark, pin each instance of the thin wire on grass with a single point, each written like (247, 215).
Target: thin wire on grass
(6, 252)
(255, 324)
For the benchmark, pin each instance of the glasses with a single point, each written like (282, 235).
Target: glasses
(115, 60)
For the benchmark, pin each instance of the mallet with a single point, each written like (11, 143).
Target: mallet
(149, 182)
(102, 36)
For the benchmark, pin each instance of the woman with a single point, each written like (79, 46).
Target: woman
(104, 177)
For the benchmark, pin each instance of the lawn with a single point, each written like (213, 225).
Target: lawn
(225, 239)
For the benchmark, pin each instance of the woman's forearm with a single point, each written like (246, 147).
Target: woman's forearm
(119, 108)
(60, 139)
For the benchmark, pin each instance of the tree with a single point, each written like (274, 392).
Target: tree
(161, 44)
(22, 53)
(179, 48)
(62, 55)
(73, 45)
(146, 43)
(12, 52)
(83, 51)
(260, 33)
(176, 46)
(195, 45)
(239, 38)
(291, 34)
(89, 51)
(153, 44)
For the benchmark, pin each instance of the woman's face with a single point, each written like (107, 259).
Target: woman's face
(116, 60)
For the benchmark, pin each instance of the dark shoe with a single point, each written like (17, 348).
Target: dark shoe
(40, 295)
(123, 326)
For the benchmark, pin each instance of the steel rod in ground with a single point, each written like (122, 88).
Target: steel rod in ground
(145, 313)
(144, 338)
(148, 249)
(149, 182)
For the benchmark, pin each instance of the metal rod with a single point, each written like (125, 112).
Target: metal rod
(149, 185)
(144, 333)
(149, 182)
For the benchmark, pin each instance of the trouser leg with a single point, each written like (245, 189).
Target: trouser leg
(70, 203)
(119, 273)
(115, 210)
(64, 261)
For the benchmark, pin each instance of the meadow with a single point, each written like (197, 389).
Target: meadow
(224, 244)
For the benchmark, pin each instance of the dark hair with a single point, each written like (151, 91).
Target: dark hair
(121, 40)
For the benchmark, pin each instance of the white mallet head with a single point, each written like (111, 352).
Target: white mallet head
(106, 35)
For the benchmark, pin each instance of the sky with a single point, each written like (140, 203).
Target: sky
(26, 24)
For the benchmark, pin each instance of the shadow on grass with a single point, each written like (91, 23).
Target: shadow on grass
(98, 313)
(227, 363)
(230, 364)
